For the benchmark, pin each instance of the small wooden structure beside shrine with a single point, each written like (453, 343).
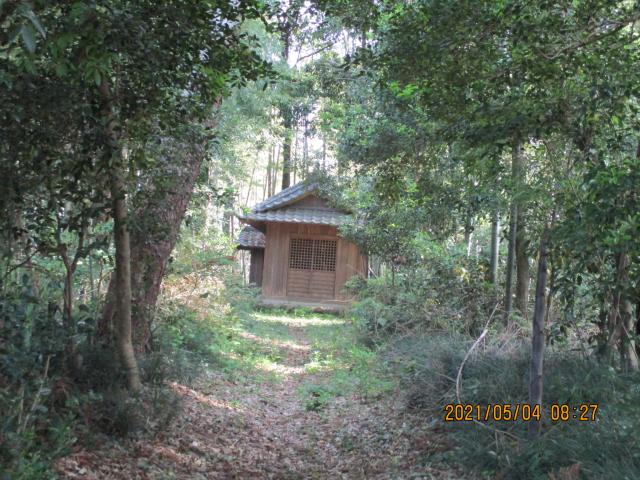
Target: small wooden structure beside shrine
(297, 256)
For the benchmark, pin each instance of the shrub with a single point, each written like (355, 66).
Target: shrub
(605, 449)
(439, 290)
(33, 428)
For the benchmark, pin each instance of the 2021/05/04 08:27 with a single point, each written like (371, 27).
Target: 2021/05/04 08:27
(468, 412)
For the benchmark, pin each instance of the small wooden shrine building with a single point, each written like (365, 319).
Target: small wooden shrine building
(297, 255)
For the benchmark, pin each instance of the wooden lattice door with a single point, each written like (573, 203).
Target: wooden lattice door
(312, 268)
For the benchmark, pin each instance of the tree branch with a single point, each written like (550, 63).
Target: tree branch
(595, 36)
(326, 47)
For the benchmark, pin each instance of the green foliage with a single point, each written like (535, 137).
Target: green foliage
(112, 411)
(421, 114)
(318, 395)
(54, 397)
(184, 344)
(436, 104)
(205, 256)
(443, 289)
(499, 376)
(34, 429)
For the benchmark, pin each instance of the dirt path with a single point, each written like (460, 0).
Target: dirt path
(305, 404)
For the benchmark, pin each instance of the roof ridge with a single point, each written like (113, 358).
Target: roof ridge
(286, 197)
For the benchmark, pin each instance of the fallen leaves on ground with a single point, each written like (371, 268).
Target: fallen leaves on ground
(260, 429)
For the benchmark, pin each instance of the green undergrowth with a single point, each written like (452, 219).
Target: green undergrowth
(428, 364)
(426, 316)
(344, 366)
(219, 344)
(273, 345)
(337, 364)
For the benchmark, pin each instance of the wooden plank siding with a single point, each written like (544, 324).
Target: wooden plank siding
(349, 262)
(310, 284)
(276, 253)
(325, 285)
(257, 266)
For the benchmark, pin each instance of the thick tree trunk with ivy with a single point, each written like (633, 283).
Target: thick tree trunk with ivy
(158, 223)
(152, 247)
(122, 297)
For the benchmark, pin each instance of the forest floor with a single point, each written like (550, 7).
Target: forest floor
(302, 401)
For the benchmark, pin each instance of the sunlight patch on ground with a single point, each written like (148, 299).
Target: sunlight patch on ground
(316, 366)
(284, 371)
(298, 321)
(207, 400)
(274, 343)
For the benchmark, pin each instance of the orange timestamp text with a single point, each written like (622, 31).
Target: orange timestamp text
(508, 412)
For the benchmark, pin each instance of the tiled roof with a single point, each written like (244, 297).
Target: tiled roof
(286, 197)
(298, 215)
(284, 207)
(250, 238)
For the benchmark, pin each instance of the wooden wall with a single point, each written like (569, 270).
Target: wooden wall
(349, 261)
(257, 266)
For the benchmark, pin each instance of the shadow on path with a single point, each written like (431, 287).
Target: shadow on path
(262, 427)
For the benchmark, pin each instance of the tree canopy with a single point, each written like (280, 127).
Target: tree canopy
(489, 153)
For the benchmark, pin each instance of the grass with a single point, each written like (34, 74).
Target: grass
(277, 345)
(604, 449)
(322, 359)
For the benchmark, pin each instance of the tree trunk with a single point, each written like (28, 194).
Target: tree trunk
(468, 234)
(324, 153)
(123, 278)
(516, 164)
(275, 171)
(113, 153)
(305, 151)
(495, 246)
(638, 327)
(286, 148)
(67, 297)
(73, 360)
(508, 296)
(536, 377)
(522, 269)
(287, 120)
(105, 329)
(151, 247)
(227, 213)
(267, 192)
(92, 291)
(620, 318)
(295, 158)
(552, 290)
(628, 344)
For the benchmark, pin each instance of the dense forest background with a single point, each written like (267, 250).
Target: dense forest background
(490, 151)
